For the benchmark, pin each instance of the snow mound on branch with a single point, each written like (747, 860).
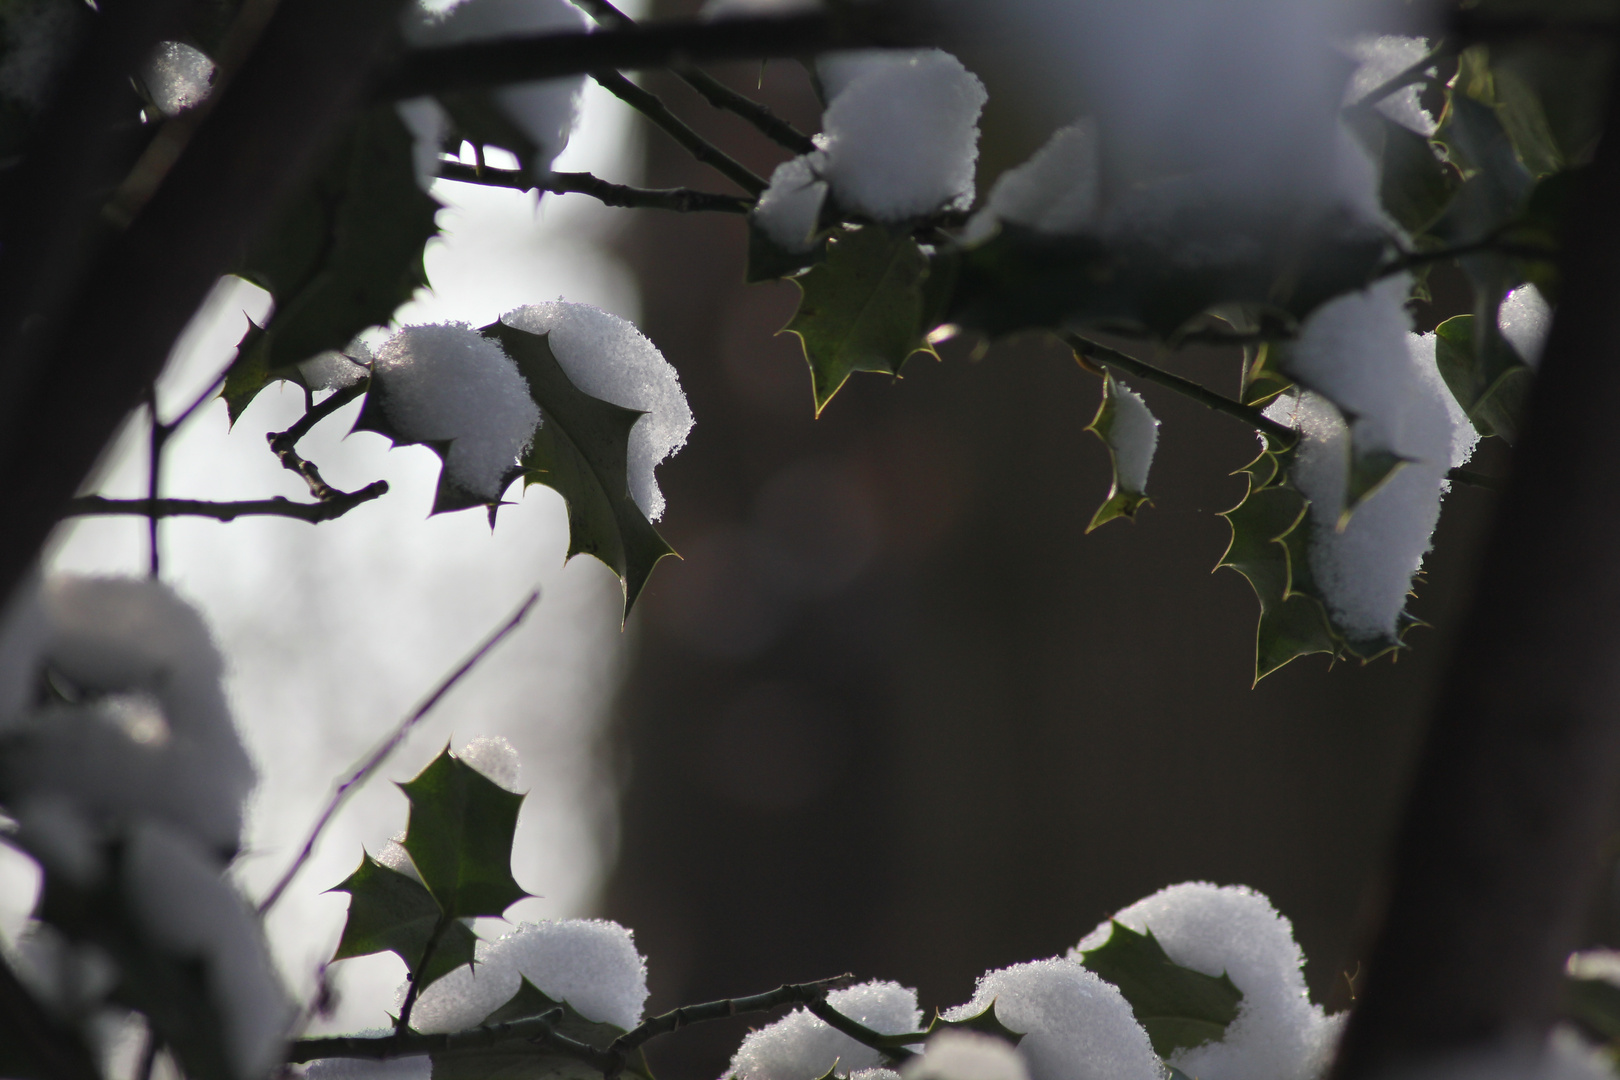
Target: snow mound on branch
(1278, 1033)
(966, 1055)
(901, 138)
(1055, 191)
(802, 1047)
(181, 902)
(608, 358)
(1077, 1027)
(177, 76)
(790, 208)
(335, 370)
(592, 964)
(496, 758)
(1381, 58)
(1524, 319)
(546, 111)
(449, 382)
(1464, 436)
(1133, 437)
(142, 730)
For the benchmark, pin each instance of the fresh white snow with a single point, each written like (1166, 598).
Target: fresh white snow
(1077, 1027)
(177, 76)
(801, 1047)
(450, 382)
(1054, 192)
(965, 1055)
(496, 758)
(1524, 319)
(1133, 436)
(790, 208)
(608, 358)
(1381, 58)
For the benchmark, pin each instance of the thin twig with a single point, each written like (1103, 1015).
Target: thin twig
(328, 509)
(517, 59)
(648, 104)
(373, 761)
(1410, 260)
(681, 200)
(1248, 414)
(157, 435)
(416, 1044)
(403, 1023)
(857, 1030)
(312, 416)
(686, 1015)
(714, 91)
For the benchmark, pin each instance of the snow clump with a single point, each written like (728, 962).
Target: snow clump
(1076, 1025)
(1278, 1033)
(400, 1068)
(1133, 436)
(337, 370)
(965, 1055)
(900, 140)
(592, 964)
(545, 111)
(449, 382)
(177, 76)
(801, 1047)
(1054, 192)
(1381, 58)
(1356, 356)
(496, 758)
(1524, 319)
(608, 358)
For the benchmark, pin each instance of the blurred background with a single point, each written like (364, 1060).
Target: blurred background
(894, 713)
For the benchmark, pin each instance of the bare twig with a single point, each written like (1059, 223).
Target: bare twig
(1101, 354)
(368, 765)
(546, 56)
(858, 1031)
(328, 509)
(681, 200)
(687, 1015)
(416, 1044)
(402, 1023)
(702, 149)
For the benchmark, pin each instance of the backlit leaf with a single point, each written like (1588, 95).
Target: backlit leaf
(1181, 1008)
(460, 837)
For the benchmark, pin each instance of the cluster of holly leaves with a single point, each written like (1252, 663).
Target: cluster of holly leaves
(1518, 121)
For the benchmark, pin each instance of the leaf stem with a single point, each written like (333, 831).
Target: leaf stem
(649, 105)
(714, 91)
(1086, 349)
(681, 200)
(403, 1024)
(857, 1030)
(327, 509)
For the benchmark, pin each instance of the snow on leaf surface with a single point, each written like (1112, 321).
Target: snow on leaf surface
(1524, 319)
(1234, 931)
(1054, 192)
(802, 1047)
(789, 210)
(1131, 434)
(1076, 1025)
(1179, 1007)
(177, 76)
(1381, 58)
(965, 1055)
(519, 1059)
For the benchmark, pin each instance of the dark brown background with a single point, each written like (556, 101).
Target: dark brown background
(897, 714)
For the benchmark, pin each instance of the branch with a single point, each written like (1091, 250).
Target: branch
(549, 56)
(334, 401)
(368, 765)
(328, 509)
(1410, 260)
(858, 1031)
(1248, 414)
(703, 150)
(675, 1019)
(681, 200)
(415, 1044)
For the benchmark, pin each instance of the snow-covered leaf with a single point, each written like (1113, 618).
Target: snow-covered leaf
(1484, 374)
(983, 1022)
(1181, 1008)
(769, 260)
(1131, 434)
(522, 1060)
(1414, 186)
(392, 912)
(1594, 1003)
(581, 451)
(340, 259)
(460, 837)
(866, 308)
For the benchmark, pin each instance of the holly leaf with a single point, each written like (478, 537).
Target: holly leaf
(393, 912)
(1484, 374)
(459, 837)
(341, 258)
(863, 309)
(1181, 1008)
(581, 450)
(1594, 1003)
(1414, 186)
(770, 261)
(448, 496)
(1124, 424)
(520, 1059)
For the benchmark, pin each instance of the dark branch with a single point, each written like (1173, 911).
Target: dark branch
(547, 56)
(680, 200)
(330, 404)
(858, 1031)
(338, 504)
(368, 766)
(1411, 260)
(675, 1019)
(1477, 479)
(703, 150)
(1087, 349)
(415, 1044)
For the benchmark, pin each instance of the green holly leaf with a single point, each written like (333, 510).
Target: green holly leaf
(1123, 423)
(459, 837)
(1181, 1008)
(341, 258)
(524, 1060)
(393, 912)
(1497, 185)
(448, 496)
(581, 450)
(1484, 374)
(866, 308)
(770, 261)
(1594, 1003)
(1414, 186)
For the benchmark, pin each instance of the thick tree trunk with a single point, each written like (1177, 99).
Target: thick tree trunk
(1499, 849)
